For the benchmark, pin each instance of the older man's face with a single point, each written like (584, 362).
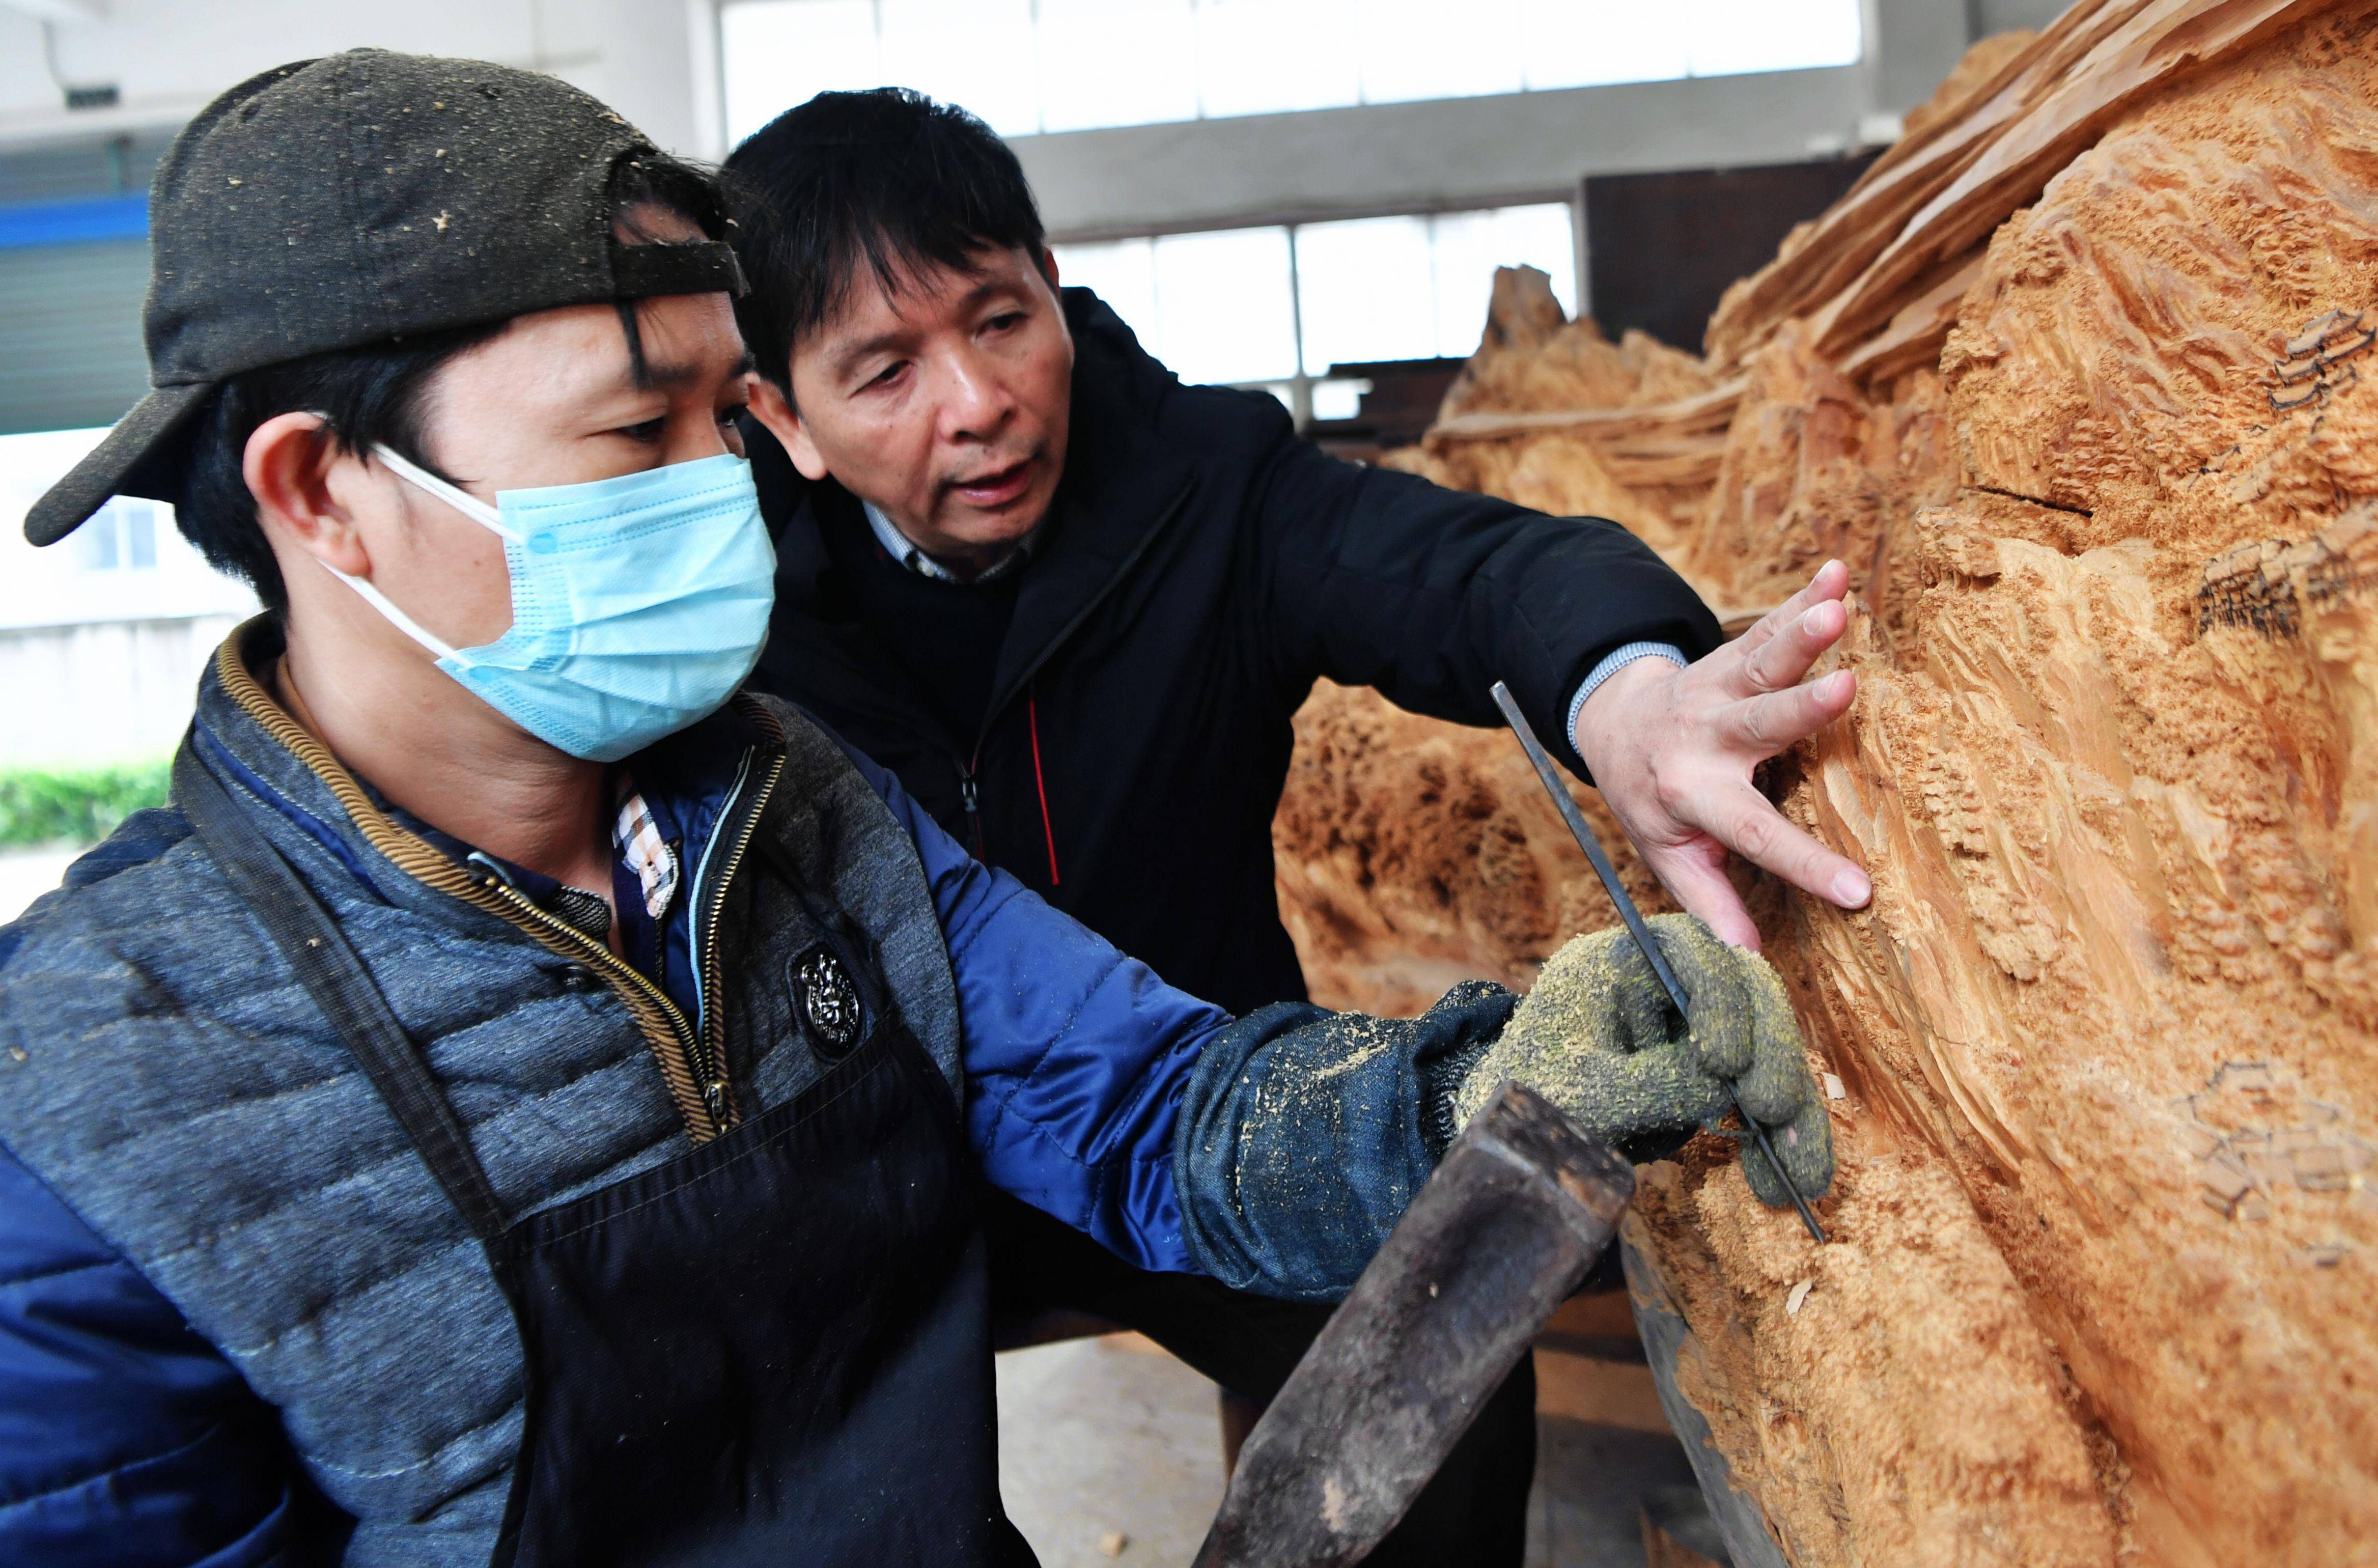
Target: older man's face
(944, 400)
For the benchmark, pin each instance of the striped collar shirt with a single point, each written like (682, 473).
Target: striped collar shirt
(898, 546)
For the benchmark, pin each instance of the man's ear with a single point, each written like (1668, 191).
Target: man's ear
(289, 464)
(774, 412)
(1049, 266)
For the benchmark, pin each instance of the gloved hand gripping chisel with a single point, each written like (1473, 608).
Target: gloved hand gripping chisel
(1640, 931)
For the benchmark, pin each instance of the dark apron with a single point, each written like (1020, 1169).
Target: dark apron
(770, 1350)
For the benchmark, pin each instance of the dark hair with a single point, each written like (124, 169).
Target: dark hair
(371, 396)
(888, 180)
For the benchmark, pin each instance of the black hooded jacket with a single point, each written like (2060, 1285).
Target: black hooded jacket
(1199, 569)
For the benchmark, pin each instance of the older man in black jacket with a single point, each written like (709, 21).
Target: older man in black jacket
(1074, 604)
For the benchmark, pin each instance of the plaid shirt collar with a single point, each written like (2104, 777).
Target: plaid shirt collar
(634, 835)
(643, 849)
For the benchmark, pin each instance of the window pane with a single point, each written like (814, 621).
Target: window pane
(1224, 298)
(127, 563)
(1413, 49)
(96, 540)
(1732, 36)
(1337, 399)
(1116, 63)
(775, 53)
(1470, 246)
(1365, 290)
(1274, 56)
(139, 533)
(976, 54)
(1123, 273)
(1589, 43)
(1086, 63)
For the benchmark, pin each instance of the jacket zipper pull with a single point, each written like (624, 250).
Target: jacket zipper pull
(971, 796)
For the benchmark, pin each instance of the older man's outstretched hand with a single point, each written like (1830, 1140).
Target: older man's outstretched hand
(1672, 751)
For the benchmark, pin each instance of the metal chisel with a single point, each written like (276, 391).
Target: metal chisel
(1634, 926)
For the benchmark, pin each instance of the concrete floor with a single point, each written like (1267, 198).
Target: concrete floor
(1100, 1436)
(1110, 1453)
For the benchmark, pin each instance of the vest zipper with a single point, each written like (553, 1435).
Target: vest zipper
(674, 1044)
(685, 1082)
(710, 1063)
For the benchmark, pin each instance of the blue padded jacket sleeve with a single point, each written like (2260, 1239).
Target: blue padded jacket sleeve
(1304, 1133)
(125, 1437)
(1075, 1056)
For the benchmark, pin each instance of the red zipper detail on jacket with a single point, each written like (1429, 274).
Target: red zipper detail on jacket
(1032, 712)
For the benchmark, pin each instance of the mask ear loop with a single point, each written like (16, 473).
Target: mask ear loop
(396, 618)
(463, 501)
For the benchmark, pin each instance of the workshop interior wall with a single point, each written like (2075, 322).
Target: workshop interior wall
(2077, 381)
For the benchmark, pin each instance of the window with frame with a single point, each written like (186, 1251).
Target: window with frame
(120, 536)
(1281, 306)
(1030, 67)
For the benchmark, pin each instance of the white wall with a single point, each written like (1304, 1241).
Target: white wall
(1488, 151)
(63, 584)
(119, 691)
(168, 57)
(98, 665)
(2001, 16)
(1447, 153)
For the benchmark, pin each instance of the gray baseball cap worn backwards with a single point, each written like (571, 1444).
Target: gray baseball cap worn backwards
(363, 198)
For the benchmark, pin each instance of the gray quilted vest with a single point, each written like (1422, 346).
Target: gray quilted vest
(187, 1100)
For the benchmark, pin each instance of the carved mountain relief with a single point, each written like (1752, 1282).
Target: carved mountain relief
(2077, 381)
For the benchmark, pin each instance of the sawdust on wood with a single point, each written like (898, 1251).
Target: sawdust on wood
(2081, 380)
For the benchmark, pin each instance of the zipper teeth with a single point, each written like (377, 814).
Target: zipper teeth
(697, 887)
(667, 1033)
(712, 1061)
(680, 1068)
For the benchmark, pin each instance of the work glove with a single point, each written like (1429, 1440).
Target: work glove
(1599, 1038)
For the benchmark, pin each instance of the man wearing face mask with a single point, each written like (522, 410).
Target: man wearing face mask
(525, 1101)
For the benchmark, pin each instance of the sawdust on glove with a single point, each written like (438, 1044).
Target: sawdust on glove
(1599, 1038)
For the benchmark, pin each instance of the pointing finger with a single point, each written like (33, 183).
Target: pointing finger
(1785, 657)
(1833, 581)
(1764, 725)
(1747, 824)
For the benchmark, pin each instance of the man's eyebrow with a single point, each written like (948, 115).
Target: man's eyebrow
(677, 373)
(842, 356)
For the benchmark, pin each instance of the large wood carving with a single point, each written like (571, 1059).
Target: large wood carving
(2081, 382)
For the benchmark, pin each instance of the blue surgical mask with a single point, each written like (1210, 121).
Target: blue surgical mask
(638, 602)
